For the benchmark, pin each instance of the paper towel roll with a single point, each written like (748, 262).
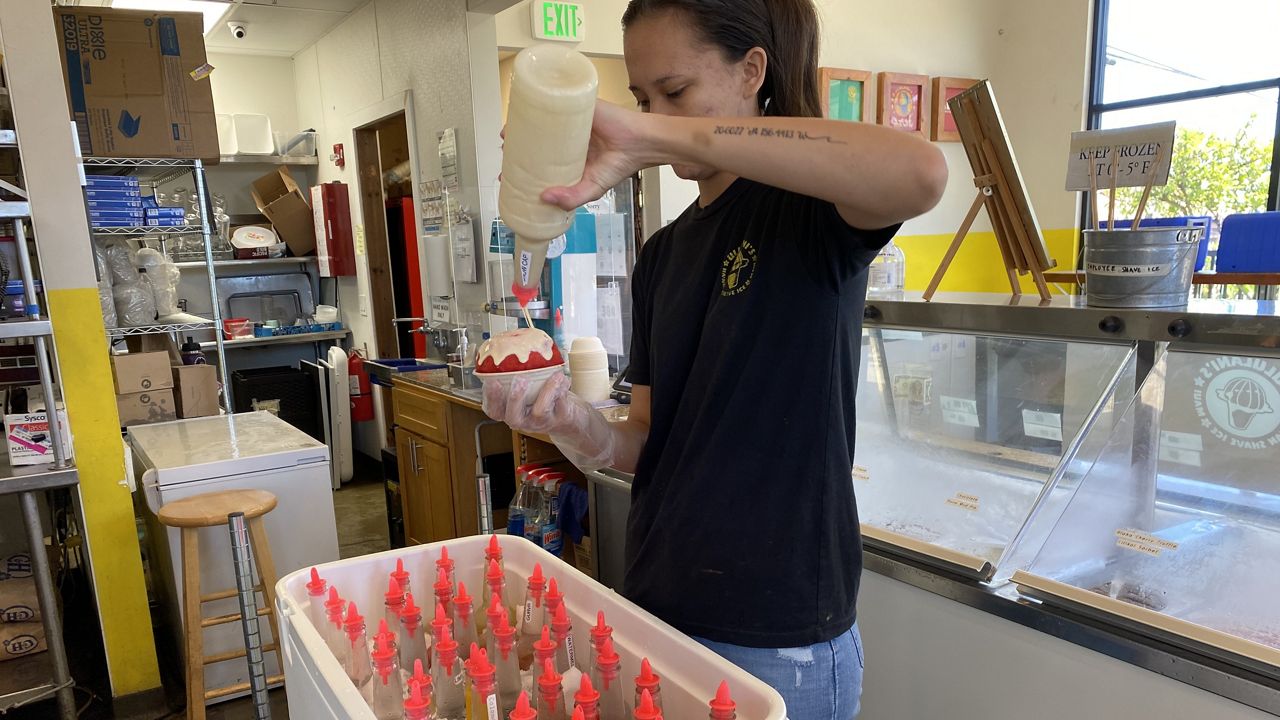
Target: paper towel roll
(437, 260)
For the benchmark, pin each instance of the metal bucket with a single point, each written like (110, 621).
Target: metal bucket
(1146, 268)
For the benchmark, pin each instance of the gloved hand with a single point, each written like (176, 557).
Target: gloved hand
(579, 430)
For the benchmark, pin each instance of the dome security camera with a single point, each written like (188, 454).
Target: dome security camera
(238, 29)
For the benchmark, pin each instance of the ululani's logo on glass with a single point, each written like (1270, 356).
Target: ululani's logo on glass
(738, 269)
(1238, 400)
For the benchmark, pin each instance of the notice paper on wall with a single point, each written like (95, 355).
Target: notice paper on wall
(609, 318)
(1043, 425)
(960, 411)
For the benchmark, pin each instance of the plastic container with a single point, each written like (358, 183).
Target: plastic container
(1140, 268)
(536, 379)
(326, 314)
(226, 134)
(1250, 242)
(553, 98)
(235, 328)
(301, 144)
(253, 134)
(317, 687)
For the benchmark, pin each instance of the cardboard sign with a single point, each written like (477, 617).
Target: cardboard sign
(1135, 149)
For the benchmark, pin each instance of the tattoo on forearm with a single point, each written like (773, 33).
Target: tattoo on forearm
(766, 132)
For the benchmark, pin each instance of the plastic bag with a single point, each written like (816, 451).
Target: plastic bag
(135, 303)
(107, 300)
(120, 264)
(100, 263)
(164, 277)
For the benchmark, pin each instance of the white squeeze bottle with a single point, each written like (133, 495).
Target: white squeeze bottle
(553, 98)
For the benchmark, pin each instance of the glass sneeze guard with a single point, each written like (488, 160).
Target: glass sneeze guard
(1175, 528)
(962, 436)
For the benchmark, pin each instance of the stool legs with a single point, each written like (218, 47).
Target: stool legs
(192, 621)
(266, 572)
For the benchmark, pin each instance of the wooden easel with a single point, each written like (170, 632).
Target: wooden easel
(1017, 233)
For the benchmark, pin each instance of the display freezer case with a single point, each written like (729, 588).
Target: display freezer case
(961, 439)
(1175, 528)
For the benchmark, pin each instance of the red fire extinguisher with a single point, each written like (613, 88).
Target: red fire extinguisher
(361, 393)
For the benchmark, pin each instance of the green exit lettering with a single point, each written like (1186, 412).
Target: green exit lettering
(558, 21)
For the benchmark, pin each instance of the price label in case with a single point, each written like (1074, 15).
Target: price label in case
(964, 501)
(861, 473)
(959, 411)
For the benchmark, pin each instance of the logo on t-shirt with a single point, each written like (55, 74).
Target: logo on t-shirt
(738, 269)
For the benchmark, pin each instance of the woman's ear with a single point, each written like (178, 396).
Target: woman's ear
(755, 65)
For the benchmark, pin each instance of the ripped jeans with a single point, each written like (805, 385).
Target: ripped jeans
(818, 682)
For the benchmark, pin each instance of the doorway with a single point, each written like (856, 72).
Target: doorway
(384, 167)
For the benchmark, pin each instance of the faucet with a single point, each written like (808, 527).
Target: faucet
(438, 331)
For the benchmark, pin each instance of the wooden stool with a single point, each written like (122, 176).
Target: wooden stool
(211, 510)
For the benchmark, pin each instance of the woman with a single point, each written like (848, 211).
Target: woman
(743, 529)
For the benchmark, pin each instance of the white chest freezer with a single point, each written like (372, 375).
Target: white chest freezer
(258, 451)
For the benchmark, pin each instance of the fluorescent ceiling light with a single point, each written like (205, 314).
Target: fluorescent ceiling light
(212, 11)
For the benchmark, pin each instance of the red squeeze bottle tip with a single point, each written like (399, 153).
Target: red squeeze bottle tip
(409, 607)
(442, 579)
(546, 635)
(444, 556)
(462, 598)
(383, 630)
(647, 679)
(549, 675)
(607, 654)
(495, 572)
(522, 293)
(417, 703)
(523, 711)
(394, 593)
(316, 587)
(536, 577)
(723, 702)
(577, 714)
(553, 588)
(441, 615)
(399, 572)
(645, 710)
(353, 614)
(495, 550)
(586, 693)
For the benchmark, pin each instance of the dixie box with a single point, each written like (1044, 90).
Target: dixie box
(137, 82)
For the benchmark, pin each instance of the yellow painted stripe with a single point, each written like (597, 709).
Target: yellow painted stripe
(109, 526)
(978, 266)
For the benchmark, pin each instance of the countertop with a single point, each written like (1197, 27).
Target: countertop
(438, 381)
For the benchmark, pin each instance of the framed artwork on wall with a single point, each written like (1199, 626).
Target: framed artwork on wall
(943, 122)
(904, 102)
(845, 94)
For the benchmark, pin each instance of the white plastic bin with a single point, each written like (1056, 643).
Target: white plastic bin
(253, 134)
(318, 687)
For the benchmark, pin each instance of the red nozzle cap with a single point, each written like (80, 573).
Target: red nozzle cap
(444, 561)
(523, 711)
(544, 646)
(494, 576)
(577, 713)
(334, 604)
(495, 609)
(522, 293)
(420, 678)
(399, 573)
(481, 668)
(560, 622)
(410, 614)
(645, 710)
(316, 587)
(446, 647)
(607, 655)
(647, 679)
(553, 592)
(383, 651)
(536, 580)
(418, 703)
(586, 694)
(384, 631)
(549, 680)
(601, 631)
(443, 586)
(395, 595)
(355, 621)
(504, 633)
(442, 617)
(462, 599)
(722, 702)
(494, 551)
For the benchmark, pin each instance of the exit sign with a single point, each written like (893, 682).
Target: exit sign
(558, 20)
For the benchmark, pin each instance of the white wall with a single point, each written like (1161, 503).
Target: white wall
(255, 84)
(381, 50)
(1034, 51)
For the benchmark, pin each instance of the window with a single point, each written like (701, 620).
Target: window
(1216, 71)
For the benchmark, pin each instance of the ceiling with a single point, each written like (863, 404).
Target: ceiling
(272, 27)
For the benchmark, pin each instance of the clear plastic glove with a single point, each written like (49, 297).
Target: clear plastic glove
(579, 430)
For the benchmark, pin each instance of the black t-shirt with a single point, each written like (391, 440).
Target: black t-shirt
(748, 322)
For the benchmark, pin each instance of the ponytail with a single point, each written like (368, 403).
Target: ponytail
(787, 31)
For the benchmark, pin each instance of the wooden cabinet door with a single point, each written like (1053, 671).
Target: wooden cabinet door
(437, 479)
(413, 488)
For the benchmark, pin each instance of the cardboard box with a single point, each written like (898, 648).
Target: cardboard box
(137, 82)
(21, 639)
(18, 601)
(282, 201)
(141, 371)
(27, 436)
(197, 390)
(146, 407)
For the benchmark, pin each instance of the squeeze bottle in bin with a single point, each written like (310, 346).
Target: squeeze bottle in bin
(553, 97)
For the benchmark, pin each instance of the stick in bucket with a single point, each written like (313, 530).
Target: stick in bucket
(1146, 190)
(1093, 194)
(1111, 195)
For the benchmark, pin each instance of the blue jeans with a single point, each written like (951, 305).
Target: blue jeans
(818, 682)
